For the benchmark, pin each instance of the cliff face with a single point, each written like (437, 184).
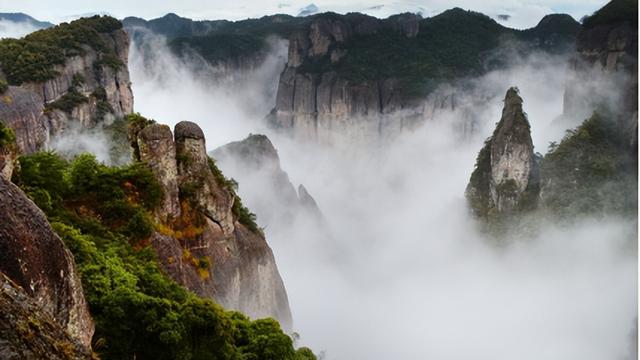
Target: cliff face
(209, 242)
(36, 260)
(90, 87)
(506, 177)
(604, 69)
(349, 74)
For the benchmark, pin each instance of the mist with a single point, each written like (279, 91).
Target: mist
(404, 273)
(13, 29)
(227, 105)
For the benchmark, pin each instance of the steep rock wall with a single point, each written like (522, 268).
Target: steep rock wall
(29, 108)
(36, 259)
(205, 244)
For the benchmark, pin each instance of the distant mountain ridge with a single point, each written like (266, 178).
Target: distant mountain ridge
(22, 17)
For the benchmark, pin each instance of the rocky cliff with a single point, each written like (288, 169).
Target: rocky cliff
(593, 169)
(77, 78)
(506, 177)
(349, 73)
(254, 162)
(604, 69)
(36, 265)
(209, 241)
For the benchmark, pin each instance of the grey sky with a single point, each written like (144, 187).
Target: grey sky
(524, 13)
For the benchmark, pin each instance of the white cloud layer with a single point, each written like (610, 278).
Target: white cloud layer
(405, 274)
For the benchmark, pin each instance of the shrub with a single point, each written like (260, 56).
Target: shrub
(591, 171)
(7, 136)
(4, 86)
(69, 101)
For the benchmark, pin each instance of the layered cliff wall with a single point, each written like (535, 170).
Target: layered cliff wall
(77, 78)
(209, 241)
(372, 78)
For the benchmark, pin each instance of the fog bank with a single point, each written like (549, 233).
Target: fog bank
(405, 274)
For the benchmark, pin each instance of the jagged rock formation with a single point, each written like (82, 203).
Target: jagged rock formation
(506, 177)
(91, 86)
(208, 241)
(346, 74)
(254, 162)
(35, 259)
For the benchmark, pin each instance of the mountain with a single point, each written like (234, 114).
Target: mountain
(254, 162)
(593, 169)
(203, 217)
(24, 18)
(72, 74)
(506, 178)
(147, 251)
(345, 67)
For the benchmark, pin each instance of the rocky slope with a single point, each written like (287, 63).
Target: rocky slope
(348, 73)
(506, 177)
(82, 83)
(209, 242)
(254, 162)
(38, 271)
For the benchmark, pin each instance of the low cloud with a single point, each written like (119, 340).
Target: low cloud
(405, 273)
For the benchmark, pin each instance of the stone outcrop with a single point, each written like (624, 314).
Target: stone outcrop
(36, 260)
(506, 178)
(27, 332)
(27, 108)
(206, 242)
(254, 162)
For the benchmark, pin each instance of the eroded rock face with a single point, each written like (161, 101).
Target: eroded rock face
(36, 259)
(506, 177)
(318, 105)
(108, 90)
(157, 149)
(27, 332)
(204, 246)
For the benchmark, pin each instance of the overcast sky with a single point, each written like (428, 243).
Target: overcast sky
(523, 13)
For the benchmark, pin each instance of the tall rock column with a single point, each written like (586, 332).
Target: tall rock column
(206, 242)
(213, 199)
(157, 149)
(506, 177)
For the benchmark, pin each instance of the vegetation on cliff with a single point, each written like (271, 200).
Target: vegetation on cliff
(615, 11)
(34, 57)
(104, 216)
(591, 171)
